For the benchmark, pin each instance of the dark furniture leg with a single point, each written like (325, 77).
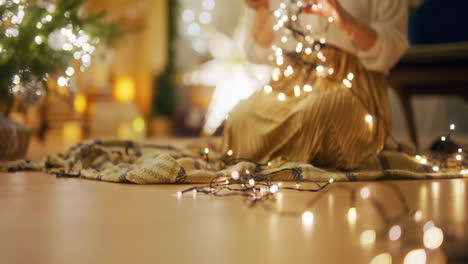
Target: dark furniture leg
(405, 100)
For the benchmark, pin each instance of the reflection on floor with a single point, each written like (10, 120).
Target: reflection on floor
(49, 220)
(44, 219)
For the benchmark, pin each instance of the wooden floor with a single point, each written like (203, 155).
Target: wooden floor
(44, 219)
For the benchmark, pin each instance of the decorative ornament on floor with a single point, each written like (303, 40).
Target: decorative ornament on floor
(446, 155)
(232, 75)
(41, 41)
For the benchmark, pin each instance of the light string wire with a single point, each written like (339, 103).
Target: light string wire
(288, 18)
(292, 23)
(249, 181)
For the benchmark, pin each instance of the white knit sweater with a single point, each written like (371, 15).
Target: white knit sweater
(387, 17)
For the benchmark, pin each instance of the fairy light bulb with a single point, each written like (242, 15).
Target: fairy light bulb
(275, 74)
(418, 216)
(307, 218)
(16, 79)
(206, 151)
(284, 39)
(330, 181)
(279, 60)
(350, 76)
(458, 157)
(297, 90)
(452, 127)
(308, 51)
(394, 233)
(281, 97)
(320, 68)
(435, 168)
(235, 175)
(229, 153)
(252, 182)
(289, 71)
(330, 19)
(433, 237)
(423, 161)
(347, 83)
(443, 138)
(280, 23)
(383, 258)
(38, 40)
(352, 215)
(278, 52)
(62, 81)
(365, 193)
(368, 238)
(299, 47)
(70, 71)
(267, 88)
(274, 189)
(307, 88)
(416, 256)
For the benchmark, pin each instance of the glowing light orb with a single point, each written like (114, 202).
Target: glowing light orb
(416, 256)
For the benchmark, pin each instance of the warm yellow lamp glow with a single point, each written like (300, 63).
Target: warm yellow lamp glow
(71, 132)
(79, 104)
(139, 125)
(124, 90)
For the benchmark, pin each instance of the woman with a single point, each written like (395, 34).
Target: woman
(331, 126)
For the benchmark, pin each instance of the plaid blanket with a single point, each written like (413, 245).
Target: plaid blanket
(199, 162)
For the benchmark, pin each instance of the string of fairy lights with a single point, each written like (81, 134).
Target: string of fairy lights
(258, 188)
(307, 43)
(310, 43)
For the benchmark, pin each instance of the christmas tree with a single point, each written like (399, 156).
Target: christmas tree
(44, 38)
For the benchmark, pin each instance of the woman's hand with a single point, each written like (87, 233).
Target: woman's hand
(362, 35)
(262, 28)
(257, 4)
(331, 10)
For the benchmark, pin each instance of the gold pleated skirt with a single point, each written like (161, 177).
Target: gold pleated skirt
(340, 123)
